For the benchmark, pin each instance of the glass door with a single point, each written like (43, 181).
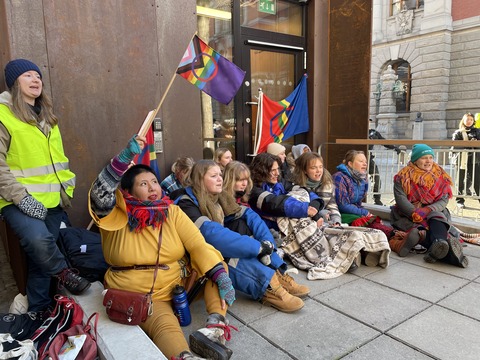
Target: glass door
(274, 74)
(270, 47)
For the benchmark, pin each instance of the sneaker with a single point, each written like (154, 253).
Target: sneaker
(437, 251)
(378, 202)
(186, 355)
(72, 281)
(291, 286)
(210, 340)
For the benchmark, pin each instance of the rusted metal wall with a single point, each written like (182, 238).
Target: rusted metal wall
(317, 69)
(349, 57)
(106, 64)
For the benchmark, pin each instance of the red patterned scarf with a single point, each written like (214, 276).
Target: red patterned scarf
(145, 213)
(424, 187)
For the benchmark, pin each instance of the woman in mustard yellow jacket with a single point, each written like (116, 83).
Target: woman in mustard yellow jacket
(131, 218)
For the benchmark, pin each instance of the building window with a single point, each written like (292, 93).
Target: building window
(402, 87)
(399, 5)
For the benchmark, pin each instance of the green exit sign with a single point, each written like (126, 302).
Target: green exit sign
(267, 6)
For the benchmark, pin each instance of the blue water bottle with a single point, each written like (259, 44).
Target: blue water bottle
(180, 306)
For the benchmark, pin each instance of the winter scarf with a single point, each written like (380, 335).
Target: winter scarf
(145, 213)
(424, 187)
(312, 185)
(357, 175)
(217, 207)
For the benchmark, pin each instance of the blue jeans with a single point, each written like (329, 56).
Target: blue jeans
(39, 241)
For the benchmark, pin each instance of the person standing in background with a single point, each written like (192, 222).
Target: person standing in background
(373, 134)
(468, 162)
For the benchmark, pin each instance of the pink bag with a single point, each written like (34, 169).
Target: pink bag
(81, 336)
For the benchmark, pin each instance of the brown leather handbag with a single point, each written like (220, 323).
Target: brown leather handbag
(129, 307)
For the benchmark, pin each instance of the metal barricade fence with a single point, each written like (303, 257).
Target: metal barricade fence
(384, 164)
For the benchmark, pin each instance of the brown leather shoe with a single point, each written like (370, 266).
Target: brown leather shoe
(291, 286)
(277, 297)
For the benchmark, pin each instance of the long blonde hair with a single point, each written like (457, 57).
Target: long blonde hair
(208, 203)
(235, 171)
(24, 112)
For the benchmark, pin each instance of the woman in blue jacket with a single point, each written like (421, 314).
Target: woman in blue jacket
(351, 185)
(254, 265)
(269, 194)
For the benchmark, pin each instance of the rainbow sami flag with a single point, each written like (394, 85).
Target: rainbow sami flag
(278, 121)
(210, 71)
(148, 155)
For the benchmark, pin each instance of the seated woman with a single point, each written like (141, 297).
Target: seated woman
(254, 265)
(269, 197)
(422, 190)
(279, 150)
(222, 157)
(131, 217)
(295, 153)
(322, 247)
(237, 181)
(351, 186)
(180, 171)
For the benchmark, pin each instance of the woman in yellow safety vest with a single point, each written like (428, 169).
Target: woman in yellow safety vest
(35, 180)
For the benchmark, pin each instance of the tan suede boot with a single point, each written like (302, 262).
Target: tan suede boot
(291, 286)
(277, 297)
(402, 242)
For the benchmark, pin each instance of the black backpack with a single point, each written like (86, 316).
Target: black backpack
(21, 327)
(83, 251)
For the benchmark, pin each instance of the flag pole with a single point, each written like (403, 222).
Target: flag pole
(151, 115)
(258, 127)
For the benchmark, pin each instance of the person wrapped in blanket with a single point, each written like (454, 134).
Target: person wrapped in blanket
(351, 186)
(422, 190)
(243, 239)
(126, 204)
(317, 244)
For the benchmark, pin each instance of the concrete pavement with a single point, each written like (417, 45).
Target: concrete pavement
(410, 310)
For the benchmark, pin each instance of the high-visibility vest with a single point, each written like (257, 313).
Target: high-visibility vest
(37, 160)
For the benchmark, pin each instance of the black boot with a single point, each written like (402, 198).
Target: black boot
(455, 253)
(437, 251)
(209, 342)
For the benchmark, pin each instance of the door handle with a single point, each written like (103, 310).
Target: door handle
(251, 103)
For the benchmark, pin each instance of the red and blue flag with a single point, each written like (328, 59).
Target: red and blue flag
(148, 156)
(278, 121)
(210, 72)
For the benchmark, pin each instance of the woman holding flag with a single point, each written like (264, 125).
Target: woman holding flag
(139, 228)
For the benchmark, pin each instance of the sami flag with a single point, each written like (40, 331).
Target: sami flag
(148, 155)
(279, 121)
(210, 71)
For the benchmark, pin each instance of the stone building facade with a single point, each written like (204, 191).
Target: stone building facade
(433, 48)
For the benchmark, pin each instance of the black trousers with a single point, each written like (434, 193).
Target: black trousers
(373, 170)
(465, 179)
